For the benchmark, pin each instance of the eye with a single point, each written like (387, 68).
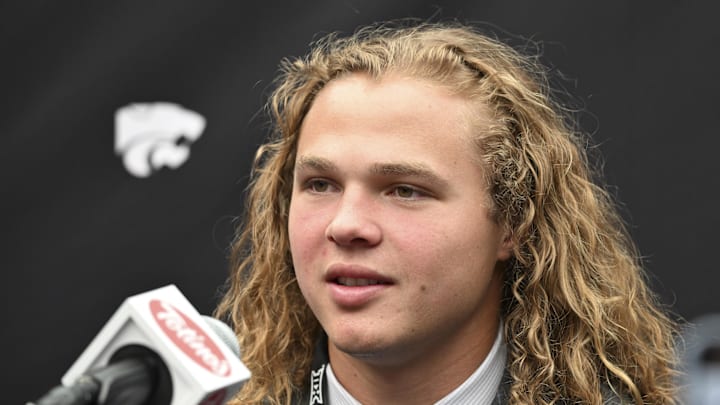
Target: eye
(407, 192)
(318, 186)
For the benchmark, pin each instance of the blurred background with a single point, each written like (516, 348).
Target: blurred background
(81, 232)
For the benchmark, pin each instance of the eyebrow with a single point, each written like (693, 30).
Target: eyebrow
(406, 169)
(390, 169)
(316, 163)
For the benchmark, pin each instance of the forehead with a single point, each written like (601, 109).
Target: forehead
(398, 99)
(389, 120)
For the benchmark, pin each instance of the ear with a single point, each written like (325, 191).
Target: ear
(506, 246)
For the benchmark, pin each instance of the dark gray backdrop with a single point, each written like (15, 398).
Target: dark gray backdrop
(80, 234)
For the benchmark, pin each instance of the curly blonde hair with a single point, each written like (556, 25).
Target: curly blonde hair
(578, 315)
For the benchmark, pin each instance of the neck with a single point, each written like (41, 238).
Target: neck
(424, 378)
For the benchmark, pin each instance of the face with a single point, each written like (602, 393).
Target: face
(391, 235)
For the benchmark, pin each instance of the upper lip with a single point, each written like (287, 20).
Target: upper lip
(339, 270)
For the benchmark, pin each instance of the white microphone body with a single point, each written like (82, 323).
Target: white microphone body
(202, 369)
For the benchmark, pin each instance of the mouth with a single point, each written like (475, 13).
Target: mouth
(353, 286)
(357, 282)
(355, 276)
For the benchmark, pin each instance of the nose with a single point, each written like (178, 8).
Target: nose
(355, 221)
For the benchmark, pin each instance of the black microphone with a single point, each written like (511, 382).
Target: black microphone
(155, 350)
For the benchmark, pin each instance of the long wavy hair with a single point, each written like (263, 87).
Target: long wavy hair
(578, 315)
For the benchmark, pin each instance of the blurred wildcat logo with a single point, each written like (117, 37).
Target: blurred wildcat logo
(150, 136)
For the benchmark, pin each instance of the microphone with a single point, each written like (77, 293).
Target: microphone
(700, 347)
(155, 350)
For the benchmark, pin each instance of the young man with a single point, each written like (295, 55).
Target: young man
(423, 228)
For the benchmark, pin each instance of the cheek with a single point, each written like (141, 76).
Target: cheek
(299, 248)
(306, 232)
(459, 247)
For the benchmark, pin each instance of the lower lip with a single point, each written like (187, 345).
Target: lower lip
(355, 296)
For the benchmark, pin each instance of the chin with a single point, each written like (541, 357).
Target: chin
(357, 347)
(357, 344)
(376, 352)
